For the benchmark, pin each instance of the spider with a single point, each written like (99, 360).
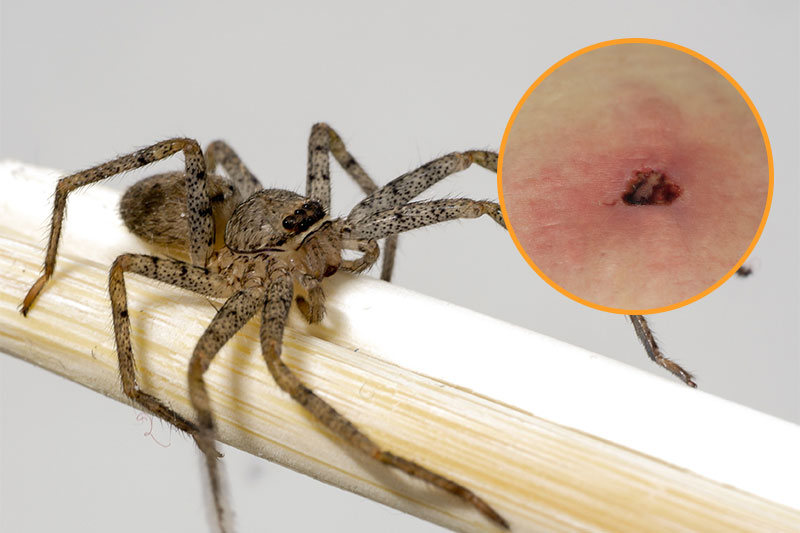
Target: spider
(262, 249)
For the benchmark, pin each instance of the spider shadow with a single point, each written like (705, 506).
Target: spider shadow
(412, 492)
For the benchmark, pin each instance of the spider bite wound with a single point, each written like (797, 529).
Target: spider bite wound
(635, 175)
(650, 187)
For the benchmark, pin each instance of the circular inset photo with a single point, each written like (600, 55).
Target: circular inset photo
(635, 176)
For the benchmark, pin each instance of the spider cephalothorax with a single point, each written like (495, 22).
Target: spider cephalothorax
(261, 250)
(271, 219)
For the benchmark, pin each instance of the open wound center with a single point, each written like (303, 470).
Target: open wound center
(650, 187)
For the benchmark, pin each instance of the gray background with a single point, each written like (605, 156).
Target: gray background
(84, 81)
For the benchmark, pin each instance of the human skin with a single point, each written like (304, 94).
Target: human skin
(572, 152)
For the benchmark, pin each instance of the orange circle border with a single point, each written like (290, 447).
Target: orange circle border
(744, 96)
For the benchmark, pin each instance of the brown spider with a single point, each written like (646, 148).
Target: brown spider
(254, 247)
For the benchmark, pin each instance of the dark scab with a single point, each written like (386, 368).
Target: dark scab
(142, 160)
(651, 187)
(218, 198)
(124, 313)
(201, 175)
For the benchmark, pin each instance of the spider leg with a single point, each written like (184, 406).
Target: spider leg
(389, 253)
(403, 189)
(418, 214)
(322, 141)
(276, 309)
(648, 340)
(233, 315)
(220, 152)
(170, 271)
(201, 223)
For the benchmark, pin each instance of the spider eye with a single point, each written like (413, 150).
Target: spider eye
(290, 222)
(299, 212)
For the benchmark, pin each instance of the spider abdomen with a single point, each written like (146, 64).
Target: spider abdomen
(155, 208)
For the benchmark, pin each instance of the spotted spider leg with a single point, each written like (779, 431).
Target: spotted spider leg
(419, 214)
(239, 174)
(201, 223)
(323, 141)
(387, 211)
(276, 309)
(648, 340)
(231, 317)
(400, 191)
(225, 324)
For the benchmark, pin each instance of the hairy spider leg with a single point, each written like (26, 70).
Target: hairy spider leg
(231, 317)
(418, 214)
(171, 271)
(648, 340)
(201, 281)
(401, 190)
(276, 309)
(201, 222)
(323, 141)
(405, 187)
(219, 152)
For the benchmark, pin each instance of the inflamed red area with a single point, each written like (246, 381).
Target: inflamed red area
(636, 191)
